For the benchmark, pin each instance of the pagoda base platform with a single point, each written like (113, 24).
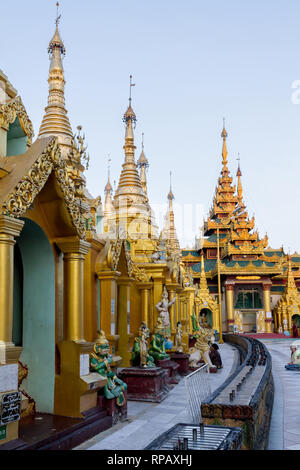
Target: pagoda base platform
(117, 413)
(263, 336)
(145, 384)
(212, 370)
(183, 361)
(44, 431)
(172, 368)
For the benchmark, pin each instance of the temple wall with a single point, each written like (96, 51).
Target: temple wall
(38, 316)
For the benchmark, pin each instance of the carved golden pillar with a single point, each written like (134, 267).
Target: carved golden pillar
(229, 306)
(267, 307)
(123, 320)
(9, 353)
(189, 299)
(178, 304)
(74, 251)
(145, 288)
(9, 228)
(108, 305)
(91, 289)
(75, 387)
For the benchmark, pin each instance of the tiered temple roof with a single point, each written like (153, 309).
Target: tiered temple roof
(241, 250)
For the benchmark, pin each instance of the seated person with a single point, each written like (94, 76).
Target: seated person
(295, 357)
(215, 356)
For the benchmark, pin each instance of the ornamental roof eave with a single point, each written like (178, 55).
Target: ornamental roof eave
(28, 174)
(10, 111)
(247, 270)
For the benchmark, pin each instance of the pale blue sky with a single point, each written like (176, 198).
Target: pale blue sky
(193, 62)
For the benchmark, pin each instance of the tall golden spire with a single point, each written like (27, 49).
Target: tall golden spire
(203, 282)
(225, 200)
(291, 288)
(129, 183)
(108, 205)
(289, 303)
(55, 121)
(224, 136)
(239, 185)
(143, 164)
(169, 230)
(133, 213)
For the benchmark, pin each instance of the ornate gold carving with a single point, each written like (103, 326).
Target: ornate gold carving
(31, 184)
(10, 111)
(244, 278)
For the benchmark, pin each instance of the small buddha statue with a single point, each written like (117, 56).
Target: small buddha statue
(157, 345)
(139, 354)
(100, 361)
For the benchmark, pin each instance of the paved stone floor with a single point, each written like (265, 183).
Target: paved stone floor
(146, 421)
(285, 421)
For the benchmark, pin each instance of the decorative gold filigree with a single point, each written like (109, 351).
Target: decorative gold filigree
(23, 195)
(10, 111)
(140, 274)
(114, 252)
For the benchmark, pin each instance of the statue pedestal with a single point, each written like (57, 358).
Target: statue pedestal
(192, 341)
(182, 360)
(145, 384)
(118, 413)
(171, 367)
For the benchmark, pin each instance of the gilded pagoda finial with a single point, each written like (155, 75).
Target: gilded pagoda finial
(55, 121)
(169, 230)
(129, 117)
(171, 195)
(108, 186)
(224, 136)
(239, 185)
(143, 164)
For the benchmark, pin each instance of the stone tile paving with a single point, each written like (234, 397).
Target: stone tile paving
(285, 421)
(146, 421)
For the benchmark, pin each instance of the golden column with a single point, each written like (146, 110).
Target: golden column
(229, 306)
(108, 305)
(9, 228)
(145, 288)
(123, 320)
(267, 307)
(178, 305)
(9, 353)
(72, 386)
(74, 250)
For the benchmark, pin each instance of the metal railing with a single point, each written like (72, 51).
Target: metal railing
(197, 385)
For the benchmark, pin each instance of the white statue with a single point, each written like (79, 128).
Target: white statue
(163, 308)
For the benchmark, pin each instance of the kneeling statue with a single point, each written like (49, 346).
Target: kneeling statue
(157, 345)
(202, 346)
(139, 354)
(100, 362)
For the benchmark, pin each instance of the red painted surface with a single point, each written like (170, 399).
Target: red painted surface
(145, 384)
(183, 361)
